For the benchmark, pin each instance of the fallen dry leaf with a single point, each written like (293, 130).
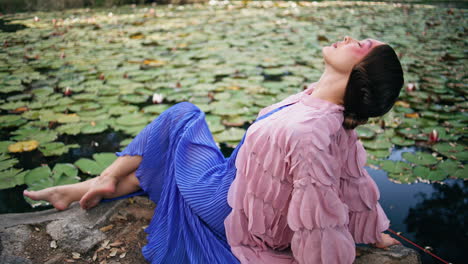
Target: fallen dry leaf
(113, 252)
(106, 228)
(412, 115)
(105, 243)
(76, 255)
(53, 244)
(116, 244)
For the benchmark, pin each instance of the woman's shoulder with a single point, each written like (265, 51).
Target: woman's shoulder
(315, 123)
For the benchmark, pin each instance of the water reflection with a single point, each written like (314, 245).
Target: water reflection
(439, 219)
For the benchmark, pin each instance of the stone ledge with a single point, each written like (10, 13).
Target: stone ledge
(28, 237)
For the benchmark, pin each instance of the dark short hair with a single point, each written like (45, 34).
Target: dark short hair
(373, 86)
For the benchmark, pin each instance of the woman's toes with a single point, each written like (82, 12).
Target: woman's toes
(31, 194)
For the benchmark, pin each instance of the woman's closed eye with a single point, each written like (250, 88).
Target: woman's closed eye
(359, 45)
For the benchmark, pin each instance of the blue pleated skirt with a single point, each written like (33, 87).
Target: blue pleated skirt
(185, 173)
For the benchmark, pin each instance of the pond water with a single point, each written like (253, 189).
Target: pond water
(227, 57)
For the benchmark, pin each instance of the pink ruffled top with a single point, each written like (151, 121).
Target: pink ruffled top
(301, 193)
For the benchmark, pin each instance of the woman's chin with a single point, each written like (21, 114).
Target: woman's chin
(326, 50)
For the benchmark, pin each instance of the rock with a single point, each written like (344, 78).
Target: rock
(396, 254)
(73, 229)
(74, 235)
(91, 218)
(14, 260)
(57, 259)
(13, 240)
(26, 238)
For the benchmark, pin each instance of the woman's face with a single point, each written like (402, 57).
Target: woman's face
(343, 55)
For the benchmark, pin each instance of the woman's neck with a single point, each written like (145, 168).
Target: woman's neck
(331, 87)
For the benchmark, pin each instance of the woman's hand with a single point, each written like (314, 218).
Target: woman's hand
(387, 241)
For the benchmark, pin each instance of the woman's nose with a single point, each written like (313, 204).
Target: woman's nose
(347, 38)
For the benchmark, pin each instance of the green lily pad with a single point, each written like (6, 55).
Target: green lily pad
(134, 98)
(4, 146)
(11, 121)
(94, 128)
(379, 153)
(155, 109)
(43, 136)
(7, 162)
(364, 132)
(451, 149)
(122, 109)
(70, 129)
(95, 167)
(131, 120)
(403, 178)
(55, 148)
(461, 173)
(230, 134)
(70, 118)
(401, 141)
(426, 173)
(449, 166)
(376, 144)
(395, 166)
(11, 177)
(419, 158)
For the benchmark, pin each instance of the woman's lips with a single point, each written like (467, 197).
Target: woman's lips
(334, 45)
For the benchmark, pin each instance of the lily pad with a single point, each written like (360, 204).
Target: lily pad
(377, 144)
(426, 173)
(42, 136)
(403, 178)
(68, 118)
(230, 134)
(365, 132)
(95, 167)
(11, 177)
(451, 150)
(401, 141)
(23, 146)
(134, 98)
(70, 129)
(449, 166)
(395, 166)
(93, 128)
(461, 173)
(56, 148)
(419, 158)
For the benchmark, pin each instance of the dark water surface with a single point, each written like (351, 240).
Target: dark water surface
(428, 214)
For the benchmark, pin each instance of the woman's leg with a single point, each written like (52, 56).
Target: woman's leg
(62, 196)
(105, 184)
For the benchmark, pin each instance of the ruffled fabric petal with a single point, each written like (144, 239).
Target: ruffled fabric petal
(316, 213)
(332, 245)
(358, 190)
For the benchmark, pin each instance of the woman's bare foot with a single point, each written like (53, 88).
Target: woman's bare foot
(56, 196)
(103, 186)
(387, 241)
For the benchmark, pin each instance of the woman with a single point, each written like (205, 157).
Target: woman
(295, 192)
